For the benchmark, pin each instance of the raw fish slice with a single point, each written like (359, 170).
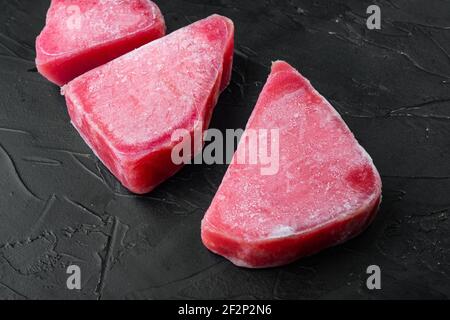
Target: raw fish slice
(128, 109)
(82, 35)
(327, 189)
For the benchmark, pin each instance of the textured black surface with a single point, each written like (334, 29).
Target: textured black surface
(59, 205)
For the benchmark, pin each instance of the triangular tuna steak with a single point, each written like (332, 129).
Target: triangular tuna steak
(326, 189)
(81, 35)
(128, 109)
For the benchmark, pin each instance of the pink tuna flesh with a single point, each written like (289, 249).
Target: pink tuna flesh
(82, 35)
(327, 189)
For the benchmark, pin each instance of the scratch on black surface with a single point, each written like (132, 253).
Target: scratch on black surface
(439, 46)
(44, 213)
(431, 26)
(420, 105)
(43, 161)
(103, 178)
(17, 58)
(385, 47)
(9, 50)
(397, 115)
(67, 151)
(146, 197)
(436, 212)
(82, 208)
(188, 19)
(211, 185)
(249, 52)
(11, 244)
(393, 4)
(110, 187)
(13, 166)
(423, 116)
(395, 25)
(20, 45)
(18, 131)
(276, 285)
(246, 56)
(408, 57)
(108, 259)
(416, 177)
(16, 270)
(187, 277)
(395, 195)
(70, 256)
(89, 171)
(14, 291)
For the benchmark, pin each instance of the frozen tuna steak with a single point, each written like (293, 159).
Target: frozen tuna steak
(326, 191)
(82, 35)
(128, 109)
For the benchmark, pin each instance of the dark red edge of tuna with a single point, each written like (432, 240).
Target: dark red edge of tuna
(277, 252)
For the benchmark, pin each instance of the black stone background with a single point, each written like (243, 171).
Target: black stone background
(60, 206)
